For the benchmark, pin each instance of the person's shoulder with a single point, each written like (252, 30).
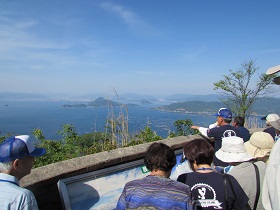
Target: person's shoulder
(229, 126)
(242, 128)
(136, 182)
(21, 192)
(178, 186)
(231, 178)
(268, 129)
(26, 192)
(260, 164)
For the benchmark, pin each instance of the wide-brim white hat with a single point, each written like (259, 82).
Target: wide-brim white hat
(273, 70)
(233, 150)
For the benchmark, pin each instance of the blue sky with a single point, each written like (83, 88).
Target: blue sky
(145, 47)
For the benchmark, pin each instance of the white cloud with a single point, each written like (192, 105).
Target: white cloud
(130, 18)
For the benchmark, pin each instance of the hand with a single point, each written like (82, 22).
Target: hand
(195, 127)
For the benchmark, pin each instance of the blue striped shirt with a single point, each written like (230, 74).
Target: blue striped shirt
(155, 192)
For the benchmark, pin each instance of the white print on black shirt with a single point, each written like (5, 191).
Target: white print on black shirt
(206, 196)
(229, 133)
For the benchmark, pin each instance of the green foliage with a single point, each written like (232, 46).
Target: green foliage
(237, 91)
(55, 153)
(183, 128)
(2, 138)
(72, 145)
(146, 135)
(38, 133)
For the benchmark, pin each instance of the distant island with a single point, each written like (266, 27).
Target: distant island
(99, 102)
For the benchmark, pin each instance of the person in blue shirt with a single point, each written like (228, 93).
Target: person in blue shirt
(156, 191)
(239, 122)
(223, 129)
(17, 155)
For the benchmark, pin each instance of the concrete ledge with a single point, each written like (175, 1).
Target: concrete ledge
(43, 181)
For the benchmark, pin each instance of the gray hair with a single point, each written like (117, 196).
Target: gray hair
(6, 167)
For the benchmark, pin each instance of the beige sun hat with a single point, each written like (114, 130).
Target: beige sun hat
(233, 150)
(259, 144)
(273, 70)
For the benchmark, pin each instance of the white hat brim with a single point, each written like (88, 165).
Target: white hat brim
(233, 157)
(273, 70)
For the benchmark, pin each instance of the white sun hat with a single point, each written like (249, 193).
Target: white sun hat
(233, 150)
(273, 70)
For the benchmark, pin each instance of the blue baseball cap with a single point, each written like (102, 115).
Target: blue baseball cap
(18, 147)
(224, 113)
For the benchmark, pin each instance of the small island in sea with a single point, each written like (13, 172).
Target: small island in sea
(99, 102)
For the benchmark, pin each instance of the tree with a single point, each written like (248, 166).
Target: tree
(238, 92)
(183, 128)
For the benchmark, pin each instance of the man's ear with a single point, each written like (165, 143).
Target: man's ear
(16, 164)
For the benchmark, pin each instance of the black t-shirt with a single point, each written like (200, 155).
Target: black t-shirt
(208, 190)
(218, 133)
(271, 131)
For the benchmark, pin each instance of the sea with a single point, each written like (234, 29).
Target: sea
(18, 117)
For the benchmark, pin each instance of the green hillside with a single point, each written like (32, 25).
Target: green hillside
(262, 106)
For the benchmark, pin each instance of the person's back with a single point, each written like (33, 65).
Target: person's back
(14, 197)
(239, 122)
(218, 134)
(268, 119)
(223, 129)
(248, 172)
(155, 192)
(245, 174)
(271, 131)
(210, 190)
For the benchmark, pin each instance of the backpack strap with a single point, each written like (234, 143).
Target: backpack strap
(258, 186)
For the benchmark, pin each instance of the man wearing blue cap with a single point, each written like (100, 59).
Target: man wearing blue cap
(17, 155)
(224, 129)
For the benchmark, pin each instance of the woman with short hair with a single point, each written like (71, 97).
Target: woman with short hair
(156, 191)
(208, 187)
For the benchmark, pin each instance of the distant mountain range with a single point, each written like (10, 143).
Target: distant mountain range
(121, 97)
(185, 103)
(262, 106)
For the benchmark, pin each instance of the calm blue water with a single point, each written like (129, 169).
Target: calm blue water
(22, 117)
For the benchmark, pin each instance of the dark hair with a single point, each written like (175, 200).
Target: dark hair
(199, 151)
(227, 120)
(239, 120)
(159, 156)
